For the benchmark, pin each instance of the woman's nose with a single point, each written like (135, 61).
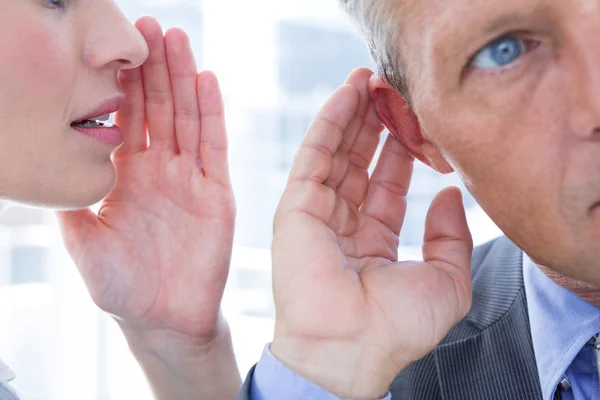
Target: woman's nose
(113, 40)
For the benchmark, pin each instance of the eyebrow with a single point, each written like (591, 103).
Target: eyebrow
(514, 18)
(465, 32)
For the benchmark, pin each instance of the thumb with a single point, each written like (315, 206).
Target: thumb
(76, 227)
(447, 242)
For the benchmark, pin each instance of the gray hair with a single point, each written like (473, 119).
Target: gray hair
(374, 21)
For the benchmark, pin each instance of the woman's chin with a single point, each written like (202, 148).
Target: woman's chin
(71, 193)
(82, 199)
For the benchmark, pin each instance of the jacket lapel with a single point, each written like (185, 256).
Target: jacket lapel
(498, 362)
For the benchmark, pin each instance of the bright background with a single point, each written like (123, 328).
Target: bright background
(277, 60)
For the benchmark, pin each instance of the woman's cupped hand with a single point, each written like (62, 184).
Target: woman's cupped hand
(156, 255)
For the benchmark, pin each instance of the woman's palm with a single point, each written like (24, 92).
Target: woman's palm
(157, 254)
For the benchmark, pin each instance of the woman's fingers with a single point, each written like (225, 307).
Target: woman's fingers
(132, 117)
(183, 72)
(386, 197)
(213, 135)
(157, 87)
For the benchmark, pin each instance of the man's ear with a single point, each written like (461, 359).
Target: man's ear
(395, 113)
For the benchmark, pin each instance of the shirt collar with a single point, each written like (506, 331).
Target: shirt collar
(561, 324)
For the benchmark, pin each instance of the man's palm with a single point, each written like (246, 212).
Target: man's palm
(340, 292)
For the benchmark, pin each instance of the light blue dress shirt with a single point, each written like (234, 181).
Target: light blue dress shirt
(561, 325)
(274, 381)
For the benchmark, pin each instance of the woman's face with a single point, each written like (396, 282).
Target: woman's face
(59, 62)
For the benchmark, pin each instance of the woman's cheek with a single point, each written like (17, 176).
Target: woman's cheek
(36, 81)
(42, 60)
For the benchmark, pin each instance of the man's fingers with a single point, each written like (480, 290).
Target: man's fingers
(132, 117)
(213, 136)
(447, 241)
(388, 187)
(356, 181)
(157, 87)
(183, 72)
(365, 133)
(314, 160)
(359, 78)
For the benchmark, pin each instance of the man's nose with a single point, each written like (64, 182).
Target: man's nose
(583, 57)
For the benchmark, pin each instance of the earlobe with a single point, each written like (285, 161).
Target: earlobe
(435, 159)
(398, 117)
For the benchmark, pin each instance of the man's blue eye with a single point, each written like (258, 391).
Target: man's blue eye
(499, 53)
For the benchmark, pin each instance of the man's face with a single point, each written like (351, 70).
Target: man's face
(509, 90)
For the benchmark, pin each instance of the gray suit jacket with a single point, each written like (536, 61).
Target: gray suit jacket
(487, 356)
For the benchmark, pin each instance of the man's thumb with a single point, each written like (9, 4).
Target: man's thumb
(447, 237)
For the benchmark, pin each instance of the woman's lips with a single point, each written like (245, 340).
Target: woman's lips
(94, 124)
(111, 135)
